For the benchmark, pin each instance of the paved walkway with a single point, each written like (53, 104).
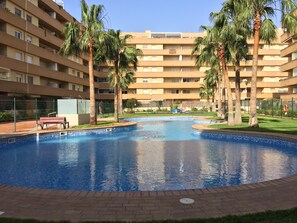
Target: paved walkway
(77, 206)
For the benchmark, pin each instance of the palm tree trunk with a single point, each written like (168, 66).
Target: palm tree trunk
(229, 93)
(253, 120)
(120, 102)
(220, 113)
(208, 104)
(116, 92)
(93, 119)
(213, 108)
(238, 119)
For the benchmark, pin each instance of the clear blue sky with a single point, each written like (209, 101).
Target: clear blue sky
(154, 15)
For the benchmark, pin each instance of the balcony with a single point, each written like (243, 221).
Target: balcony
(289, 50)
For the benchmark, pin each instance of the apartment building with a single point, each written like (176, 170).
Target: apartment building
(31, 33)
(290, 67)
(167, 71)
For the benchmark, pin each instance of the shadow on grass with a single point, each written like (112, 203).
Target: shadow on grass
(267, 124)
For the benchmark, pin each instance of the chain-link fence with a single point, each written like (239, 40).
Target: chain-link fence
(278, 107)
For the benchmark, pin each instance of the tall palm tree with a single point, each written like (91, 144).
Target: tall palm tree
(122, 57)
(234, 35)
(259, 13)
(205, 53)
(80, 38)
(214, 40)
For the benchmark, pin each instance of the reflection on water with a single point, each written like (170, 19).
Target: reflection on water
(140, 160)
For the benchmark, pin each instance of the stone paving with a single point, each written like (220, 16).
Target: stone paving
(43, 204)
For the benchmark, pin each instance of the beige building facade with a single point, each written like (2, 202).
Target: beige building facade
(290, 52)
(31, 33)
(167, 71)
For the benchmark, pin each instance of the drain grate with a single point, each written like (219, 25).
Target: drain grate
(187, 201)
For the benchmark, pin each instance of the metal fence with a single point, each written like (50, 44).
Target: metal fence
(19, 109)
(278, 107)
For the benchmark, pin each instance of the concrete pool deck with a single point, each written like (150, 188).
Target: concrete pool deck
(43, 204)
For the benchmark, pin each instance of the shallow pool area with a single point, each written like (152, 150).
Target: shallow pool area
(162, 153)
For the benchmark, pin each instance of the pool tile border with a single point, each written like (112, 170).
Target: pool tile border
(147, 205)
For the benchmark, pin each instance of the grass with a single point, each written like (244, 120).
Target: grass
(267, 124)
(284, 216)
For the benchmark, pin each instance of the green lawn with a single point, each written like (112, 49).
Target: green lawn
(286, 216)
(267, 124)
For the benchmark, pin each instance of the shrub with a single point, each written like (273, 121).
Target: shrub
(5, 117)
(132, 103)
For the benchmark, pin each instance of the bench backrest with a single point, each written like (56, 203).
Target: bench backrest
(52, 119)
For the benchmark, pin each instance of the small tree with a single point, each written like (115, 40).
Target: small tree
(132, 103)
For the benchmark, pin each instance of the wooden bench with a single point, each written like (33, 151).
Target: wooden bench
(53, 120)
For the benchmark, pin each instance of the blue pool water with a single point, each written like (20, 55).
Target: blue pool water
(158, 154)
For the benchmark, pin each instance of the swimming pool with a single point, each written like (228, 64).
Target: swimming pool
(162, 153)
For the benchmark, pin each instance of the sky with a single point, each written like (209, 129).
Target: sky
(154, 15)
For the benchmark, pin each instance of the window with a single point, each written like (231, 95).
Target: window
(29, 79)
(144, 80)
(18, 56)
(102, 79)
(18, 12)
(29, 18)
(78, 74)
(18, 35)
(19, 78)
(29, 39)
(29, 59)
(2, 5)
(294, 72)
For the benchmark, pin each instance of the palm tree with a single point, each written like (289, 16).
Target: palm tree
(259, 13)
(234, 35)
(80, 38)
(205, 53)
(125, 78)
(214, 41)
(211, 81)
(206, 92)
(124, 59)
